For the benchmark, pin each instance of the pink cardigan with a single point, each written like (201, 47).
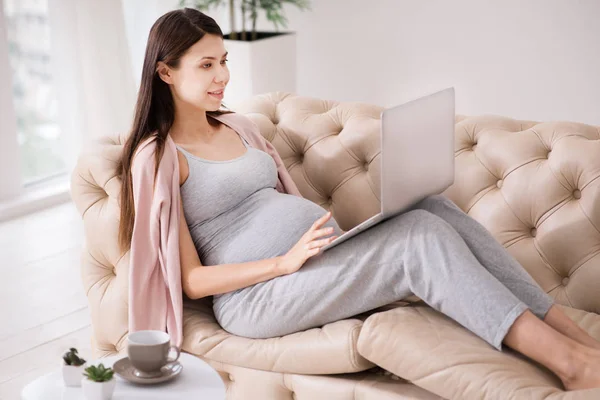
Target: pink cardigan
(155, 291)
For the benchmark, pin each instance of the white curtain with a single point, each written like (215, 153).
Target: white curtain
(10, 171)
(92, 71)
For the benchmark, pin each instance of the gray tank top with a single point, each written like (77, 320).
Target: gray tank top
(236, 215)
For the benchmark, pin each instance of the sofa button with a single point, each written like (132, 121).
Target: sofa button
(366, 166)
(577, 193)
(565, 281)
(499, 183)
(231, 378)
(533, 232)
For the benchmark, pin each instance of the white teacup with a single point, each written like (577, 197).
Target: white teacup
(149, 351)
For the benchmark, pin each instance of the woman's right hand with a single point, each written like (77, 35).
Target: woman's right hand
(308, 246)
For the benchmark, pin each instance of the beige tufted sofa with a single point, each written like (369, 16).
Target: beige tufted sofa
(534, 185)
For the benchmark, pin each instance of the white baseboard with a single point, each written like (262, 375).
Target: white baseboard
(36, 198)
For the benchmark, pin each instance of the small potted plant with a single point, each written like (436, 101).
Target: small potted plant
(72, 368)
(249, 10)
(99, 383)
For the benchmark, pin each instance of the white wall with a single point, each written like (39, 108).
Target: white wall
(531, 59)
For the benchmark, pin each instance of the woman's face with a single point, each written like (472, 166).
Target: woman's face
(202, 71)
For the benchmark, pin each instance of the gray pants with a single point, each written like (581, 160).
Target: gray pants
(434, 251)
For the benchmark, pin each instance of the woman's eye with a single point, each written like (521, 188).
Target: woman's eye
(206, 66)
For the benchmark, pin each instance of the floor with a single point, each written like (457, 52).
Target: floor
(43, 308)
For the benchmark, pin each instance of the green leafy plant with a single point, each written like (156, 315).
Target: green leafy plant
(249, 10)
(99, 373)
(71, 358)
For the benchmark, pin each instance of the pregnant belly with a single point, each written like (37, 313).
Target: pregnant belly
(268, 224)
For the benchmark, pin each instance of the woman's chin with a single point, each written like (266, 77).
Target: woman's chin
(212, 104)
(213, 107)
(207, 107)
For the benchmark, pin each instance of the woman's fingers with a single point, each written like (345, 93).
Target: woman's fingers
(319, 222)
(321, 243)
(320, 232)
(315, 231)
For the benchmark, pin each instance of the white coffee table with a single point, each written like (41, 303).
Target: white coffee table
(197, 380)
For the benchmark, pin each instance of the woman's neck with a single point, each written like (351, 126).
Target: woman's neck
(191, 125)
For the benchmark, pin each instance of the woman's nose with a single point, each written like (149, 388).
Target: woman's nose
(222, 75)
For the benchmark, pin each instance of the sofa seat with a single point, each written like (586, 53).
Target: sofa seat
(296, 365)
(252, 384)
(330, 349)
(437, 354)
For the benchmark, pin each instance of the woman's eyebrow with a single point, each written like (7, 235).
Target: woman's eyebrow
(213, 58)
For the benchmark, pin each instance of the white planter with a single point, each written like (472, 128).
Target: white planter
(260, 66)
(72, 374)
(98, 390)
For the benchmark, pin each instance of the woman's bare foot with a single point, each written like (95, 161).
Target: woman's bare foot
(577, 365)
(595, 345)
(592, 344)
(565, 325)
(584, 371)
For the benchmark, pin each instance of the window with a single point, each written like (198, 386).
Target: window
(35, 102)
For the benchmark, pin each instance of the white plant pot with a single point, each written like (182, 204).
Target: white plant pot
(98, 390)
(72, 374)
(260, 66)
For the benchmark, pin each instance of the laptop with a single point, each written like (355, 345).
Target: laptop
(417, 156)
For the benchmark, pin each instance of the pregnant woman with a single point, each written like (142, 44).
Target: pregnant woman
(255, 248)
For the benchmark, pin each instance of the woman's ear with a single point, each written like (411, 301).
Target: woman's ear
(164, 72)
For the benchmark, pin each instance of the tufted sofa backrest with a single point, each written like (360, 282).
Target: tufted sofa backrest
(534, 185)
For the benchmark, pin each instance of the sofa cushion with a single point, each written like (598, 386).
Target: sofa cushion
(243, 384)
(330, 349)
(436, 353)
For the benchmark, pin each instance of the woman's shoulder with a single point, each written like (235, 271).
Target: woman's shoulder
(145, 150)
(145, 153)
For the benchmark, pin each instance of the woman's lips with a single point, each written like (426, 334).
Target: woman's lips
(217, 94)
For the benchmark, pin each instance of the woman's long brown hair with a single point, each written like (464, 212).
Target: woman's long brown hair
(170, 37)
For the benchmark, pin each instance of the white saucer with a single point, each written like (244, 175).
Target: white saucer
(125, 370)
